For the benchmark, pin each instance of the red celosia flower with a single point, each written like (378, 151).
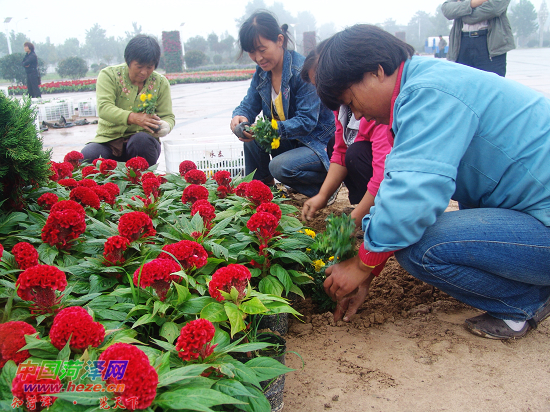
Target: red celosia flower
(258, 192)
(74, 158)
(113, 188)
(107, 165)
(87, 183)
(23, 383)
(137, 163)
(104, 195)
(189, 253)
(233, 275)
(151, 186)
(135, 225)
(89, 170)
(114, 249)
(158, 274)
(53, 172)
(272, 208)
(47, 200)
(196, 177)
(196, 235)
(65, 223)
(140, 379)
(75, 322)
(194, 340)
(205, 210)
(148, 175)
(223, 178)
(65, 169)
(192, 193)
(38, 283)
(70, 183)
(12, 338)
(222, 191)
(25, 255)
(240, 190)
(85, 196)
(264, 224)
(186, 166)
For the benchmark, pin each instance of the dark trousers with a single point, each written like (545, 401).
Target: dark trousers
(359, 165)
(140, 144)
(32, 84)
(474, 53)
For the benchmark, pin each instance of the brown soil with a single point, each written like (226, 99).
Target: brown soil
(407, 350)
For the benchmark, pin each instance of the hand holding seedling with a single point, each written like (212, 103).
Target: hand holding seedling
(150, 122)
(345, 278)
(347, 307)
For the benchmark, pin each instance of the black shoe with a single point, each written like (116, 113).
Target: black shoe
(81, 122)
(44, 128)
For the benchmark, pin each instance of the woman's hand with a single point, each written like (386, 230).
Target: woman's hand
(248, 137)
(344, 278)
(347, 307)
(312, 205)
(149, 122)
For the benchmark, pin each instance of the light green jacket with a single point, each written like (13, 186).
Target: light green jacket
(499, 36)
(117, 97)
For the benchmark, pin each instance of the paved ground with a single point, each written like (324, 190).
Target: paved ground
(203, 110)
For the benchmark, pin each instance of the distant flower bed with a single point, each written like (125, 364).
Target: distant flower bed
(174, 78)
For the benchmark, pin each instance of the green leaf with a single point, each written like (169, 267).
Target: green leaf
(271, 285)
(9, 223)
(195, 399)
(253, 306)
(214, 312)
(170, 331)
(147, 318)
(267, 368)
(280, 273)
(245, 374)
(236, 317)
(109, 314)
(179, 374)
(295, 255)
(231, 387)
(194, 306)
(64, 353)
(82, 398)
(183, 293)
(6, 378)
(47, 253)
(280, 307)
(257, 402)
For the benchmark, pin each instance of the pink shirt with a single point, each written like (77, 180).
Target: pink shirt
(368, 131)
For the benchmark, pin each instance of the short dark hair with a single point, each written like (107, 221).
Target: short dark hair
(261, 23)
(349, 54)
(142, 49)
(29, 45)
(311, 61)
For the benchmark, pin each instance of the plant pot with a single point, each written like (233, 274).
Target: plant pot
(274, 393)
(273, 390)
(276, 323)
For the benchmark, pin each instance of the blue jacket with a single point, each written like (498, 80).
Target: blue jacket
(464, 134)
(308, 120)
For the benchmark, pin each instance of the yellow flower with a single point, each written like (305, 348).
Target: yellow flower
(331, 258)
(310, 232)
(274, 125)
(275, 143)
(319, 264)
(308, 249)
(149, 96)
(143, 97)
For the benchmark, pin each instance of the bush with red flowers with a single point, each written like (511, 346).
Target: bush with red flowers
(76, 323)
(74, 158)
(104, 195)
(194, 340)
(112, 188)
(190, 254)
(65, 223)
(85, 196)
(47, 200)
(114, 250)
(264, 224)
(272, 208)
(140, 379)
(29, 389)
(136, 226)
(12, 339)
(258, 192)
(186, 166)
(192, 193)
(205, 210)
(70, 183)
(196, 177)
(134, 167)
(89, 170)
(87, 183)
(158, 274)
(223, 178)
(233, 275)
(107, 166)
(240, 190)
(151, 187)
(25, 255)
(39, 283)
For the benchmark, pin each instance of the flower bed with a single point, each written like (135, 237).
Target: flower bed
(174, 78)
(143, 288)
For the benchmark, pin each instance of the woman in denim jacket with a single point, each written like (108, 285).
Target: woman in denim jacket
(304, 124)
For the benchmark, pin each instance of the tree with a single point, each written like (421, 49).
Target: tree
(390, 25)
(213, 42)
(71, 47)
(281, 14)
(3, 44)
(227, 44)
(96, 42)
(196, 43)
(418, 29)
(441, 26)
(523, 18)
(12, 69)
(17, 40)
(72, 67)
(47, 51)
(131, 34)
(250, 8)
(195, 58)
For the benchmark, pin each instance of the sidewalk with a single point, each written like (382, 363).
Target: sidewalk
(203, 110)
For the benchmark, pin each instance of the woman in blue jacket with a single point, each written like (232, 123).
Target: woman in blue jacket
(304, 124)
(479, 139)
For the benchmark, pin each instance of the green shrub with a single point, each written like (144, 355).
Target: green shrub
(72, 67)
(11, 68)
(195, 58)
(217, 59)
(23, 162)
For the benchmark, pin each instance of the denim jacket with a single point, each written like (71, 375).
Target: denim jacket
(308, 120)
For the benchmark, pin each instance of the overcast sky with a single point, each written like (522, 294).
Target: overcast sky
(61, 19)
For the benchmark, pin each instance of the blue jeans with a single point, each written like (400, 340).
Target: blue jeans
(293, 165)
(497, 260)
